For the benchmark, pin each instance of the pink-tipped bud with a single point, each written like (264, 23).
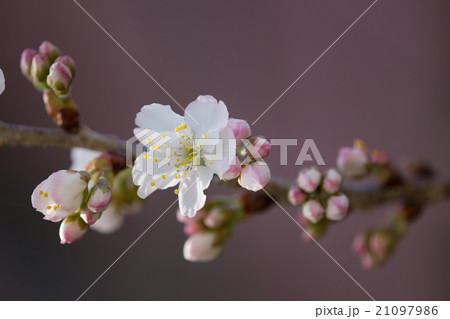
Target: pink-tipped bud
(25, 61)
(59, 78)
(352, 162)
(261, 147)
(255, 176)
(39, 68)
(379, 158)
(49, 50)
(234, 171)
(72, 228)
(367, 261)
(295, 196)
(337, 207)
(309, 179)
(332, 181)
(191, 228)
(359, 245)
(313, 211)
(202, 247)
(215, 218)
(67, 61)
(89, 217)
(99, 197)
(240, 128)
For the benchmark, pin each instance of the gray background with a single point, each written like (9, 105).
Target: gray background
(386, 81)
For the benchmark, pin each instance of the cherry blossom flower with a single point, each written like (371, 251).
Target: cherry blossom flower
(185, 151)
(60, 195)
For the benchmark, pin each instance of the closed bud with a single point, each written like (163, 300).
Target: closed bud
(215, 218)
(313, 211)
(295, 196)
(49, 50)
(332, 181)
(72, 228)
(255, 176)
(67, 61)
(337, 207)
(309, 179)
(379, 158)
(99, 196)
(234, 171)
(202, 247)
(89, 217)
(59, 78)
(359, 246)
(25, 61)
(262, 145)
(352, 162)
(39, 70)
(240, 128)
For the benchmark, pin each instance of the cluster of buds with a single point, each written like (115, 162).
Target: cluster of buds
(248, 166)
(358, 162)
(321, 199)
(76, 197)
(376, 245)
(86, 197)
(51, 72)
(209, 229)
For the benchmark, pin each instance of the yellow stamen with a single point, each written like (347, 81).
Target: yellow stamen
(152, 147)
(155, 160)
(148, 141)
(145, 156)
(152, 183)
(204, 135)
(45, 195)
(49, 207)
(41, 192)
(176, 191)
(163, 176)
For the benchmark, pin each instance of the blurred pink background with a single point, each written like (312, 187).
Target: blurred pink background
(386, 81)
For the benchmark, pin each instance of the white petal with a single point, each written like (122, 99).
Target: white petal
(206, 115)
(80, 157)
(228, 153)
(191, 188)
(66, 189)
(2, 82)
(158, 118)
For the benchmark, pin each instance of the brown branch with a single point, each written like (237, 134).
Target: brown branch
(30, 136)
(420, 191)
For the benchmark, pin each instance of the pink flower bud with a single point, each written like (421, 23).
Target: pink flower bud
(215, 218)
(332, 181)
(191, 228)
(360, 244)
(379, 158)
(99, 197)
(352, 162)
(234, 171)
(49, 50)
(89, 217)
(59, 78)
(39, 68)
(72, 228)
(337, 207)
(262, 146)
(201, 247)
(25, 61)
(295, 196)
(240, 128)
(67, 61)
(313, 211)
(255, 176)
(367, 261)
(309, 179)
